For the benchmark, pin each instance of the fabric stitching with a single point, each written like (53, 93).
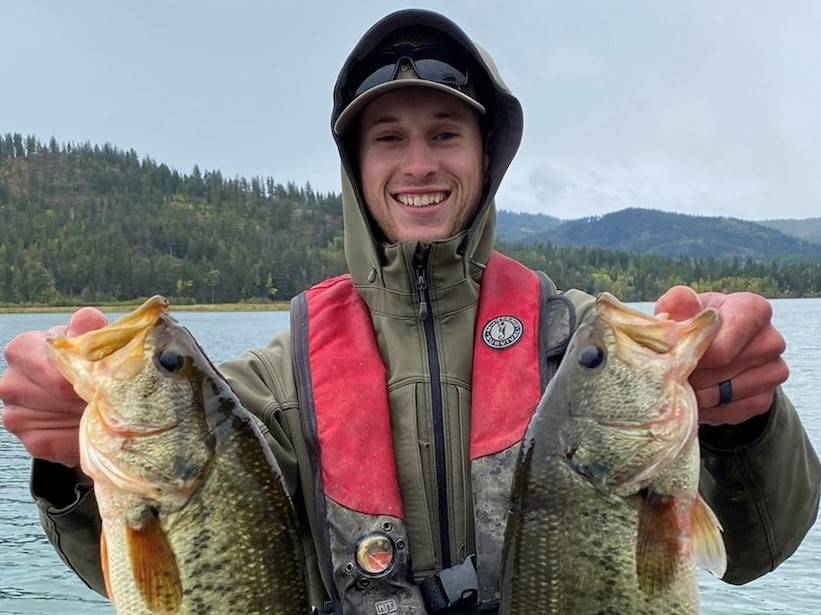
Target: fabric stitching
(760, 505)
(278, 388)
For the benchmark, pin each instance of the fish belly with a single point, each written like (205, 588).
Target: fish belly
(571, 550)
(234, 542)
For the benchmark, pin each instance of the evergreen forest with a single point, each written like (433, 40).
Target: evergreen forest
(91, 224)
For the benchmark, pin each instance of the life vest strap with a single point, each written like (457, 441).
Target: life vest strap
(457, 586)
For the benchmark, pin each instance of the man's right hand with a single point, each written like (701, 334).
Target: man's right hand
(40, 406)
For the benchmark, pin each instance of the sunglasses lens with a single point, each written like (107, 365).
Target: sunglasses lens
(380, 75)
(440, 72)
(430, 63)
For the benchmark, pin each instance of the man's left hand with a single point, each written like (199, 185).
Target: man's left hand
(746, 351)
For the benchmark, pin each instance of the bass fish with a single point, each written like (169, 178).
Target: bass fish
(606, 518)
(195, 514)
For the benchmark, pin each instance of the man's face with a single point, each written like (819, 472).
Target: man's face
(421, 162)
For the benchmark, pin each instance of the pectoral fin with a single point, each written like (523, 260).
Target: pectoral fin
(671, 530)
(709, 546)
(104, 565)
(658, 548)
(153, 563)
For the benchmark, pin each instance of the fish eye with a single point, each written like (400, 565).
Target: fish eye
(592, 357)
(170, 359)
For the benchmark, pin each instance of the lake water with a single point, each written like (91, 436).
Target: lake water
(33, 580)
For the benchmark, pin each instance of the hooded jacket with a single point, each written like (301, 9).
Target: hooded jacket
(761, 478)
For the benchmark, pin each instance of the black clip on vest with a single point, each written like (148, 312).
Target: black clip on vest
(453, 588)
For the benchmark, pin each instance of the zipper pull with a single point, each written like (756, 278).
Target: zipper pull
(421, 285)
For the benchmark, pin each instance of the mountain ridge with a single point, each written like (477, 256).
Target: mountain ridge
(84, 224)
(652, 231)
(808, 229)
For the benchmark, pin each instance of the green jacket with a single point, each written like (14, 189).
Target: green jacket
(761, 478)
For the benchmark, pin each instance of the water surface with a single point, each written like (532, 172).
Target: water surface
(33, 580)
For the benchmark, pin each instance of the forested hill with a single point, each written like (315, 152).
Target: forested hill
(808, 229)
(521, 226)
(650, 231)
(99, 223)
(86, 224)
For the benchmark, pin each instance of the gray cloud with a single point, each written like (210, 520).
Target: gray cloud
(690, 106)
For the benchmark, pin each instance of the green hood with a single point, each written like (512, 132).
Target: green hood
(375, 264)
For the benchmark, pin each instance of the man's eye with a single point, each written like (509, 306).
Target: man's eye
(387, 138)
(446, 136)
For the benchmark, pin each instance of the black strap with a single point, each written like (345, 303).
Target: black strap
(457, 586)
(302, 371)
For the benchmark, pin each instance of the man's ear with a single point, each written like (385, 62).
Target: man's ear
(486, 148)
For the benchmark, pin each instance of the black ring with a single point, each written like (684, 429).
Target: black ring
(725, 393)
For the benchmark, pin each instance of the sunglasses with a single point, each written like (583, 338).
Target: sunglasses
(432, 63)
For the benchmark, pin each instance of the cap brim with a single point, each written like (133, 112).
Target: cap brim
(357, 104)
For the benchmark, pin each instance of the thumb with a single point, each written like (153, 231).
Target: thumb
(84, 320)
(680, 302)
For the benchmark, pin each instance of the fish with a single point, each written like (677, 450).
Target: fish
(605, 515)
(195, 514)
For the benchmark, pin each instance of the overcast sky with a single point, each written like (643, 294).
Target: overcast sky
(699, 107)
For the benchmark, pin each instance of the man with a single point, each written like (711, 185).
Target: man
(386, 406)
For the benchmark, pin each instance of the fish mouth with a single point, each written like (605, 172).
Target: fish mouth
(78, 358)
(100, 343)
(90, 362)
(638, 335)
(676, 346)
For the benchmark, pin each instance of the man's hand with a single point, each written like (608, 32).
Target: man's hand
(40, 406)
(746, 351)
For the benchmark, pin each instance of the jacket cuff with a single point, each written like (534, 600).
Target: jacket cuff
(725, 438)
(765, 491)
(69, 516)
(55, 487)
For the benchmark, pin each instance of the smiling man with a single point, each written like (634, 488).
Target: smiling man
(397, 403)
(421, 161)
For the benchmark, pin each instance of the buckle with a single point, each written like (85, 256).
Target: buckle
(455, 586)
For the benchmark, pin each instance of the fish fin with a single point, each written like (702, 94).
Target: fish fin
(709, 546)
(695, 336)
(154, 566)
(106, 570)
(658, 545)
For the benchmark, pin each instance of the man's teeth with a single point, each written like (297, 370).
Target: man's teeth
(420, 200)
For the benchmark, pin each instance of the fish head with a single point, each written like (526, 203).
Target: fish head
(147, 384)
(622, 408)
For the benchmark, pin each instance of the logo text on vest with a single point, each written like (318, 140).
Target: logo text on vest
(502, 332)
(386, 607)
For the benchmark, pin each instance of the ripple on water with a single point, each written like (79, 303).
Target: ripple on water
(34, 581)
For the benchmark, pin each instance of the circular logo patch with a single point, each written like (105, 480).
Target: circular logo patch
(502, 332)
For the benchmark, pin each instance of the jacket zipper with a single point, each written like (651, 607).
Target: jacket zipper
(425, 310)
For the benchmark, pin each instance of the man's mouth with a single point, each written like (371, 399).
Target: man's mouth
(420, 199)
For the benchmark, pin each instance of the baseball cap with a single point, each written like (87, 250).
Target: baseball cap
(414, 56)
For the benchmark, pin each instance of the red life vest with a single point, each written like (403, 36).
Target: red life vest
(359, 501)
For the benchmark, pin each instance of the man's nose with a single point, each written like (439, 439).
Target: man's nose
(419, 159)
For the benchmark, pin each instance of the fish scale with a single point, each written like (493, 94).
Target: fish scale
(596, 584)
(196, 519)
(604, 507)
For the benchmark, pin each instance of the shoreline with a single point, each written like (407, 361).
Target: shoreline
(275, 306)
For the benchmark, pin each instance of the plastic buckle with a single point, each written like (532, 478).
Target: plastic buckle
(455, 586)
